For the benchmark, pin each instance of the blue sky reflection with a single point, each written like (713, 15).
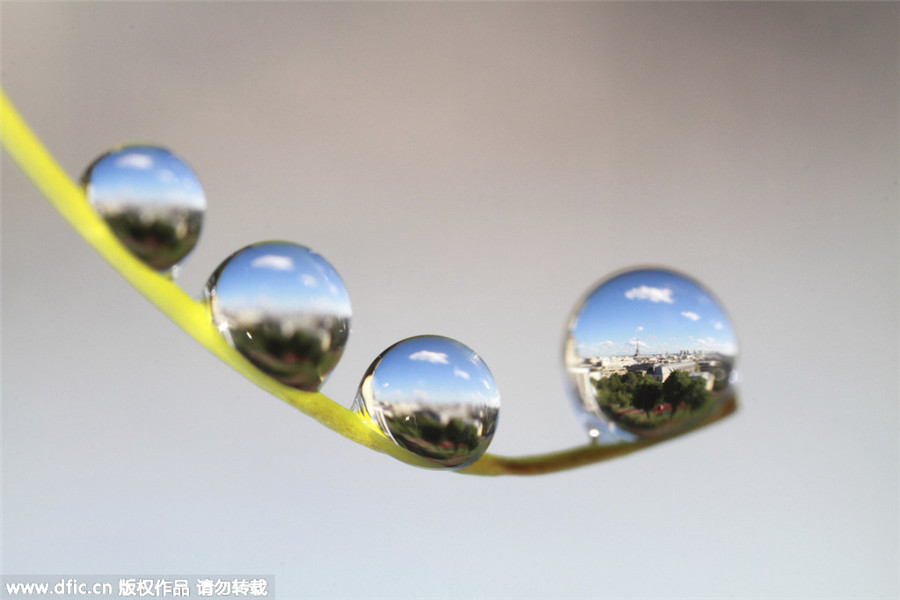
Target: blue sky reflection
(433, 370)
(146, 176)
(661, 311)
(278, 279)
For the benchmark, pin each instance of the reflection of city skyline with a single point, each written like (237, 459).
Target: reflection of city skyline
(648, 350)
(326, 328)
(701, 356)
(157, 210)
(285, 320)
(652, 344)
(442, 412)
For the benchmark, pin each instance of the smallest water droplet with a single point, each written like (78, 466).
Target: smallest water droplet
(151, 200)
(433, 396)
(284, 308)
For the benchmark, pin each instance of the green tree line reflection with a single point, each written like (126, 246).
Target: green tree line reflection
(450, 442)
(159, 241)
(643, 402)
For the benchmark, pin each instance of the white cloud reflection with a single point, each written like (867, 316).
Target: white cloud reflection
(134, 160)
(438, 358)
(653, 294)
(274, 262)
(457, 372)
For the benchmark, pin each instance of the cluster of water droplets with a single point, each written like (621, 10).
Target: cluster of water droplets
(286, 310)
(648, 352)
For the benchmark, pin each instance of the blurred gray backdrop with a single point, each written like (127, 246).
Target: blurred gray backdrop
(470, 169)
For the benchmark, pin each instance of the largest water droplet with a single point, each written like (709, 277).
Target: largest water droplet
(433, 396)
(150, 199)
(284, 308)
(649, 352)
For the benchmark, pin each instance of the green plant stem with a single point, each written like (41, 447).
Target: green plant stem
(580, 456)
(193, 317)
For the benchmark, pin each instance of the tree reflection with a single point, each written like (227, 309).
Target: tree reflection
(451, 441)
(301, 358)
(640, 401)
(160, 239)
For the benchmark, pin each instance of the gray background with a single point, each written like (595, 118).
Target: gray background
(471, 170)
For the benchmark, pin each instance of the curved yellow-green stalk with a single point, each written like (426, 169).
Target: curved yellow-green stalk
(193, 317)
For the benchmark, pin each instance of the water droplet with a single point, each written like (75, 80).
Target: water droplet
(433, 396)
(150, 199)
(649, 353)
(284, 308)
